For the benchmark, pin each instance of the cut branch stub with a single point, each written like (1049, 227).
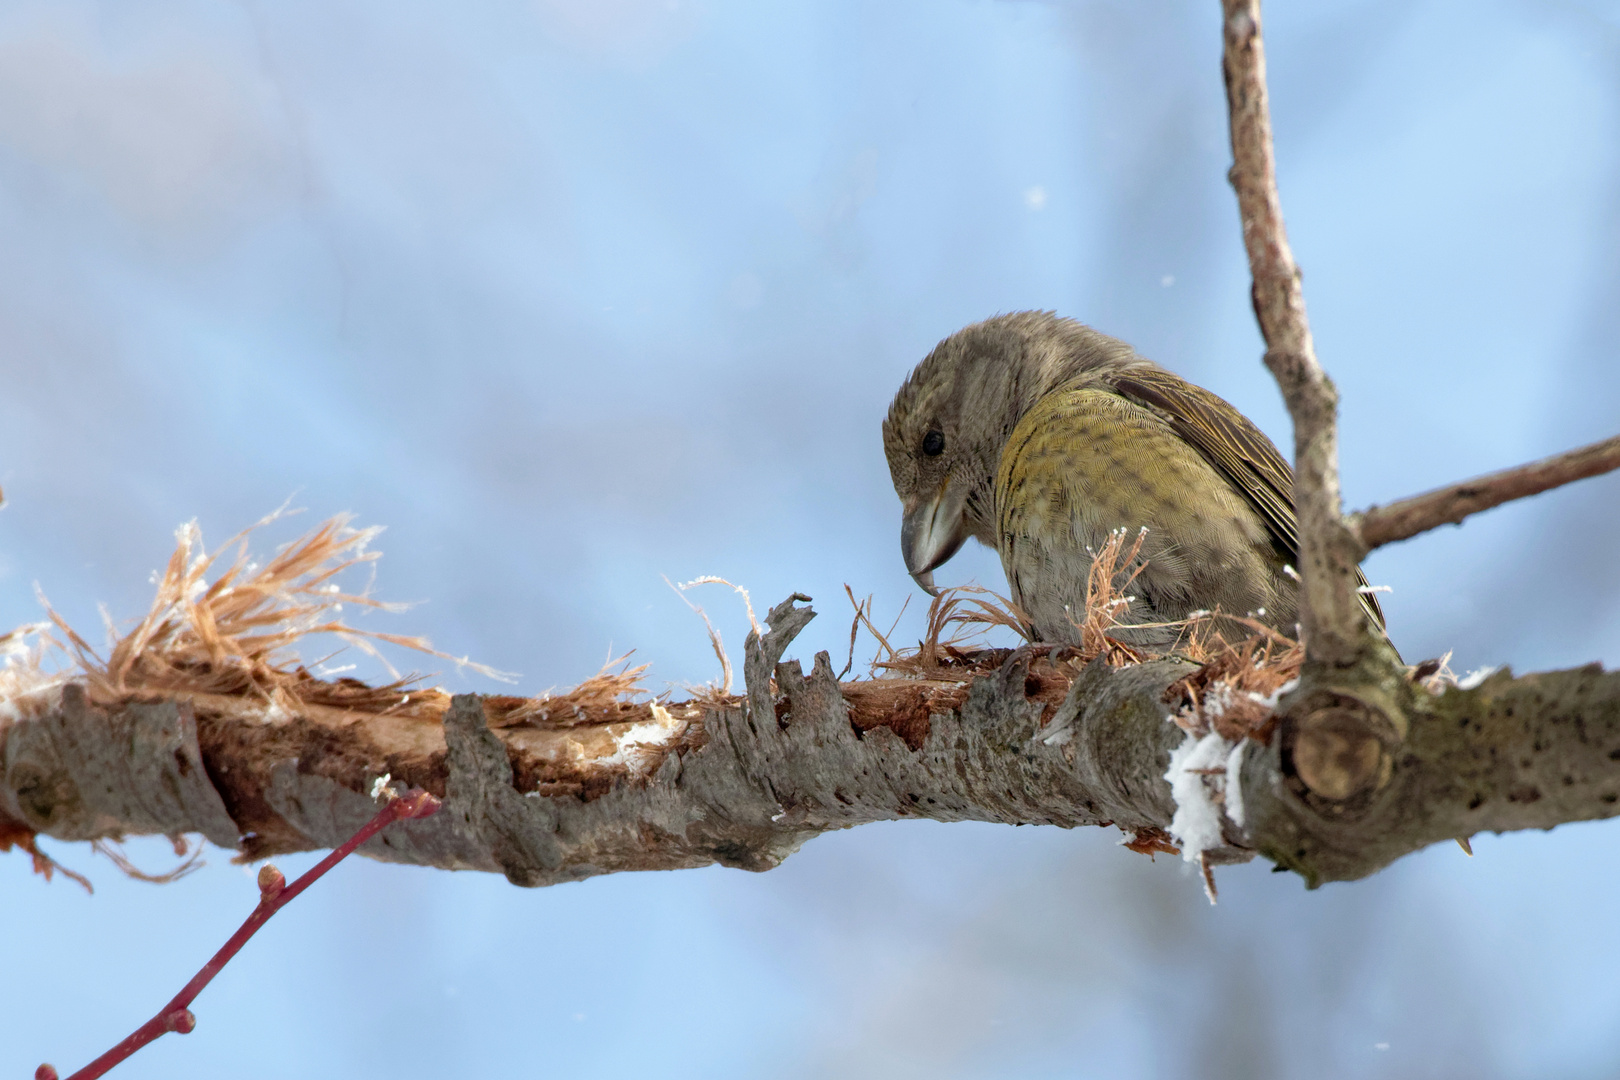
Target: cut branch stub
(1526, 753)
(1337, 749)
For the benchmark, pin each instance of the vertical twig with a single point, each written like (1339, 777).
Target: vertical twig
(1330, 612)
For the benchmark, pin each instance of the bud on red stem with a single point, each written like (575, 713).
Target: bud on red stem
(274, 893)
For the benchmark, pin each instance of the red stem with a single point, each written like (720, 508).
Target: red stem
(274, 894)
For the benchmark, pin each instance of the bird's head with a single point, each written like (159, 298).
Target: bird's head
(948, 423)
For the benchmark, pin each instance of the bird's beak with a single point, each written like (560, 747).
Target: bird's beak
(931, 532)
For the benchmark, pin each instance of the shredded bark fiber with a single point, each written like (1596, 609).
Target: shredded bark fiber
(223, 649)
(1235, 689)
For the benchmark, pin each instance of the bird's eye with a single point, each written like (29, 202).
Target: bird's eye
(933, 443)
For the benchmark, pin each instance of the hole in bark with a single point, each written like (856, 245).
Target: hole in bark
(1476, 802)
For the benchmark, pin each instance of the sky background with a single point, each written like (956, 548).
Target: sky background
(572, 294)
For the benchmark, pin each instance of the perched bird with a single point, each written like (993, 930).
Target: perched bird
(1039, 436)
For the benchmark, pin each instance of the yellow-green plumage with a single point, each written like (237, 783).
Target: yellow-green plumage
(1039, 436)
(1085, 462)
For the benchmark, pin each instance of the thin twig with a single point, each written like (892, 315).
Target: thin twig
(1402, 520)
(1330, 609)
(274, 894)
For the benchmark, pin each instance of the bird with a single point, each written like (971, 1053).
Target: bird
(1040, 437)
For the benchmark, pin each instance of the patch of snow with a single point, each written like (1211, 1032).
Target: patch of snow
(1234, 784)
(1270, 700)
(1477, 676)
(1197, 822)
(1059, 737)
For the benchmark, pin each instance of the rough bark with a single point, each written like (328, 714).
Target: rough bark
(1334, 629)
(1375, 765)
(746, 781)
(1525, 753)
(742, 782)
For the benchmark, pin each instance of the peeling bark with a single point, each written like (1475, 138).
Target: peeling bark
(1358, 766)
(745, 781)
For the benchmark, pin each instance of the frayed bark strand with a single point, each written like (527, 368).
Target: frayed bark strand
(1020, 738)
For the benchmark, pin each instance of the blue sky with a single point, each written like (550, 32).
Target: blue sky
(571, 295)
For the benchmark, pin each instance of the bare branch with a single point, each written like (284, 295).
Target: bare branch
(1330, 610)
(1380, 525)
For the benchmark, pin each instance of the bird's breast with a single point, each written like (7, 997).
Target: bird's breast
(1086, 462)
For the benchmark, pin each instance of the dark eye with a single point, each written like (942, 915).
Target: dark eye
(933, 443)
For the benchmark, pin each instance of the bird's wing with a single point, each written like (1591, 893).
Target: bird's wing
(1230, 442)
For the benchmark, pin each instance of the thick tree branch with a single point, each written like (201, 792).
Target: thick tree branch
(741, 782)
(1334, 627)
(1402, 520)
(1525, 753)
(745, 781)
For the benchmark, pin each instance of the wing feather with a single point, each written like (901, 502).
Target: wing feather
(1230, 442)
